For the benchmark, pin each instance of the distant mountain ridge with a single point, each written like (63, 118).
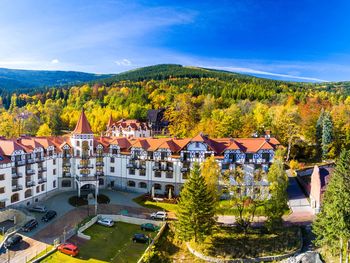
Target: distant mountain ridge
(17, 79)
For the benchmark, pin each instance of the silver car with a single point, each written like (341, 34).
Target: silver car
(106, 222)
(37, 208)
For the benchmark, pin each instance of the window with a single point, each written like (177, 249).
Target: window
(184, 176)
(157, 187)
(66, 183)
(197, 144)
(28, 193)
(2, 204)
(78, 143)
(38, 189)
(142, 185)
(2, 190)
(169, 175)
(78, 153)
(101, 181)
(132, 171)
(54, 161)
(131, 184)
(54, 171)
(54, 184)
(112, 169)
(158, 174)
(15, 198)
(142, 172)
(43, 186)
(2, 177)
(112, 159)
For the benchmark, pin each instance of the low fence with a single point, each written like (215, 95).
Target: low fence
(159, 234)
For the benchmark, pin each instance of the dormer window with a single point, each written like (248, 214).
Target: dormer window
(197, 144)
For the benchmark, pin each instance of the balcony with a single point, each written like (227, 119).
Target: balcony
(30, 183)
(156, 167)
(67, 164)
(42, 180)
(42, 169)
(16, 175)
(131, 165)
(30, 171)
(85, 166)
(39, 159)
(99, 173)
(17, 187)
(31, 160)
(86, 178)
(65, 174)
(100, 163)
(140, 167)
(20, 162)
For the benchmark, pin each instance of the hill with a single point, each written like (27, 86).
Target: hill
(26, 80)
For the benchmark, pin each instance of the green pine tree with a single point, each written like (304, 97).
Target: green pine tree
(277, 204)
(196, 213)
(332, 224)
(327, 134)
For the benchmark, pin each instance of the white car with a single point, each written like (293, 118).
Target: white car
(37, 208)
(159, 215)
(106, 222)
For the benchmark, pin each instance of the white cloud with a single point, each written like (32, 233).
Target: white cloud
(55, 61)
(123, 62)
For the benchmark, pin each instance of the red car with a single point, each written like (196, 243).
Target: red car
(68, 249)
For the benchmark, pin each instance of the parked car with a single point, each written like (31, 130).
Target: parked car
(69, 249)
(106, 222)
(159, 215)
(149, 227)
(30, 225)
(141, 238)
(49, 216)
(13, 240)
(37, 208)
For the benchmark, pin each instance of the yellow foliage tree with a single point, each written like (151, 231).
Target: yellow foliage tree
(44, 130)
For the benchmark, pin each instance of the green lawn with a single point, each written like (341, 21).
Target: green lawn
(107, 245)
(155, 205)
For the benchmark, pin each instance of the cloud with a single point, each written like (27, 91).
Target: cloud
(123, 62)
(261, 72)
(55, 61)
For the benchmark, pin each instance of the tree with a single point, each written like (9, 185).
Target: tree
(277, 204)
(44, 130)
(332, 224)
(245, 195)
(327, 135)
(196, 212)
(210, 170)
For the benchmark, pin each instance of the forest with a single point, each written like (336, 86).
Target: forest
(311, 120)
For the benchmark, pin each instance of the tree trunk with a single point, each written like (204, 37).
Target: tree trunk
(288, 149)
(347, 252)
(341, 251)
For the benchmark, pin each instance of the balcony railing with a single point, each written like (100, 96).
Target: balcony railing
(16, 175)
(31, 160)
(42, 180)
(85, 166)
(21, 162)
(16, 188)
(39, 159)
(30, 183)
(30, 171)
(86, 178)
(131, 165)
(67, 174)
(67, 164)
(99, 173)
(42, 169)
(99, 163)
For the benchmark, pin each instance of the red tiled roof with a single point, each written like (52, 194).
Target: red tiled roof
(83, 126)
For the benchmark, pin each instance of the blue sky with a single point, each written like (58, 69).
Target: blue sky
(297, 39)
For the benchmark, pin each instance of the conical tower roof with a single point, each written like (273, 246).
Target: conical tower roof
(83, 126)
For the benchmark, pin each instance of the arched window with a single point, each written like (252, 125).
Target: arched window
(131, 184)
(142, 185)
(168, 187)
(15, 198)
(28, 193)
(157, 187)
(66, 183)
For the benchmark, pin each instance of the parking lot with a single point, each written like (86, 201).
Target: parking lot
(67, 218)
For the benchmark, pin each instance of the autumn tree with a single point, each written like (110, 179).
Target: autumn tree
(210, 170)
(44, 130)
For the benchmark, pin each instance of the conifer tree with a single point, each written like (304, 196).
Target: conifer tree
(196, 208)
(327, 135)
(332, 224)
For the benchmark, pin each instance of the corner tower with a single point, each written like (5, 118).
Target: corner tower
(82, 138)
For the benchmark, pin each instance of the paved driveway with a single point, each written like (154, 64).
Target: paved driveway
(67, 217)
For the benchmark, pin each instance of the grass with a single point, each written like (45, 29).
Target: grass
(155, 205)
(107, 245)
(229, 244)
